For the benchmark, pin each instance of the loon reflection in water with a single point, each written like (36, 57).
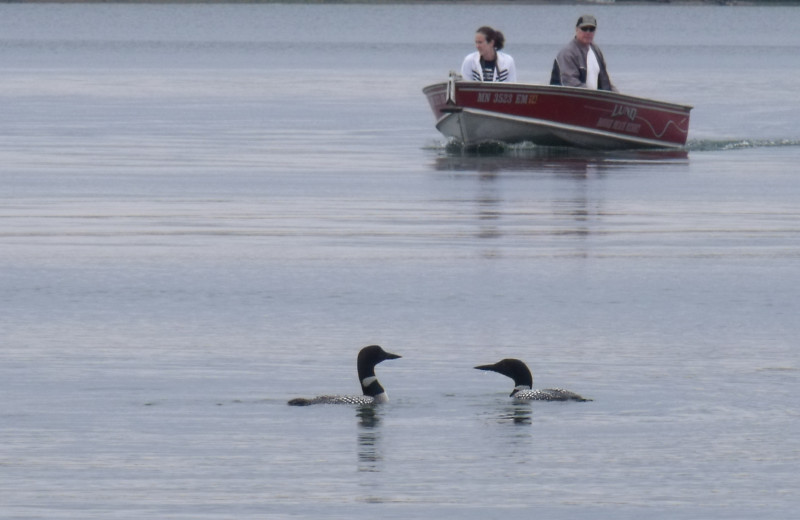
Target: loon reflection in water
(373, 392)
(523, 382)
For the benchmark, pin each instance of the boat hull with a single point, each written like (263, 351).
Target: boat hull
(475, 112)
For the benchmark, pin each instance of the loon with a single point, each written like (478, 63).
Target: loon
(523, 381)
(374, 393)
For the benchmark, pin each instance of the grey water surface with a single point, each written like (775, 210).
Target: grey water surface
(207, 210)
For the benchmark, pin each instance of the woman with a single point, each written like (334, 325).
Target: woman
(488, 63)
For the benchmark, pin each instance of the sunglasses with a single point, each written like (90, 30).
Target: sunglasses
(588, 29)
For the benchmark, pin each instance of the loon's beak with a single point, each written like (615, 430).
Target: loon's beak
(486, 367)
(389, 355)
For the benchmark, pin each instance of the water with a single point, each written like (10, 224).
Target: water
(208, 209)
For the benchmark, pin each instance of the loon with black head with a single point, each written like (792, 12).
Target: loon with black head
(523, 382)
(374, 393)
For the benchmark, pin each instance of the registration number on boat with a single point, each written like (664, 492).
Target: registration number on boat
(505, 98)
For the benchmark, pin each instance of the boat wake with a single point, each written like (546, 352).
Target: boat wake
(704, 145)
(496, 148)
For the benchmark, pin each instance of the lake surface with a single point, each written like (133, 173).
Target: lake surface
(208, 210)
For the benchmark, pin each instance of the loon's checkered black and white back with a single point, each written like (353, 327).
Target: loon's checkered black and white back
(523, 382)
(373, 392)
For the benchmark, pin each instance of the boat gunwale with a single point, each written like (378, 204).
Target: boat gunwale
(559, 90)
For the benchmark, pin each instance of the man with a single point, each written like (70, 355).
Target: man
(580, 63)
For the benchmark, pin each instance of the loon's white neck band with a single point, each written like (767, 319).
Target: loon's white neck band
(368, 381)
(519, 388)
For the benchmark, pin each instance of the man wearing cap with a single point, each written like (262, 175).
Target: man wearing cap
(580, 63)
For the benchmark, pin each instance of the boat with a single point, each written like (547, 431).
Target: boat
(474, 113)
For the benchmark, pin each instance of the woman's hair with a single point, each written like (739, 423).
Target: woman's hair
(493, 36)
